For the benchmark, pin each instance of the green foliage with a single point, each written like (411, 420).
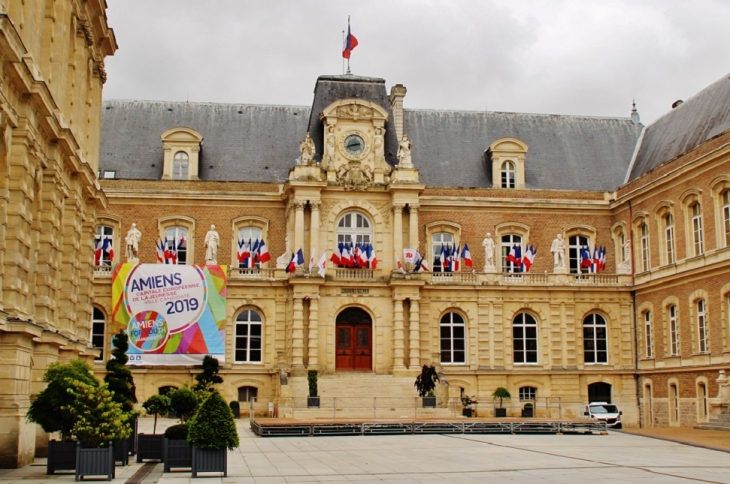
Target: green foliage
(184, 402)
(177, 432)
(502, 393)
(209, 375)
(312, 380)
(47, 409)
(468, 401)
(156, 405)
(426, 381)
(119, 377)
(213, 427)
(98, 418)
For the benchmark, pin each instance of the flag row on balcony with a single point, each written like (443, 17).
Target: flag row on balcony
(358, 256)
(297, 259)
(250, 252)
(450, 257)
(319, 264)
(523, 262)
(595, 263)
(411, 256)
(167, 251)
(103, 245)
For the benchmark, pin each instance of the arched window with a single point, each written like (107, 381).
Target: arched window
(673, 403)
(511, 244)
(103, 249)
(249, 330)
(528, 394)
(673, 331)
(648, 343)
(177, 243)
(702, 401)
(595, 340)
(524, 339)
(648, 406)
(98, 328)
(180, 166)
(166, 390)
(644, 234)
(354, 228)
(453, 339)
(508, 174)
(250, 237)
(726, 216)
(575, 244)
(438, 241)
(697, 238)
(701, 326)
(622, 250)
(669, 238)
(246, 394)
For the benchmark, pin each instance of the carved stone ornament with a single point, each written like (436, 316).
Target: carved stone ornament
(355, 112)
(354, 176)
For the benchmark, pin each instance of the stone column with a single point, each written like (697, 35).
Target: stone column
(415, 336)
(413, 228)
(398, 334)
(297, 336)
(398, 229)
(314, 230)
(397, 93)
(298, 225)
(313, 356)
(71, 248)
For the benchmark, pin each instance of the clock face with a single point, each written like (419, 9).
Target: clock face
(354, 144)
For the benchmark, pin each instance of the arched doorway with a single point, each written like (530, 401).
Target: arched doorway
(354, 345)
(599, 392)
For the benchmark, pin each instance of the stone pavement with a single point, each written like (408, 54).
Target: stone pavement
(613, 458)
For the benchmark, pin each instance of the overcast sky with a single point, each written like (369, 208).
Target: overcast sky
(560, 57)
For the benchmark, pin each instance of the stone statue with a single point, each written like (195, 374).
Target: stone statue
(283, 260)
(329, 147)
(378, 146)
(625, 266)
(558, 250)
(404, 153)
(488, 245)
(307, 149)
(131, 242)
(212, 242)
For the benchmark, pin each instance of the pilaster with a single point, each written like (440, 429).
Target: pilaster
(414, 344)
(313, 356)
(314, 228)
(398, 334)
(297, 348)
(397, 209)
(413, 226)
(298, 225)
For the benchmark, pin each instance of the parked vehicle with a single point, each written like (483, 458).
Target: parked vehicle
(604, 411)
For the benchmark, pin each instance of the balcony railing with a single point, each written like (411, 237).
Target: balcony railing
(454, 278)
(240, 273)
(526, 279)
(103, 271)
(354, 274)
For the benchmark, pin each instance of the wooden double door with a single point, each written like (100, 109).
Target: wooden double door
(354, 330)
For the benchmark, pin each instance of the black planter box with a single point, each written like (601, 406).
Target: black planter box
(178, 454)
(132, 439)
(150, 447)
(500, 412)
(466, 412)
(207, 460)
(95, 462)
(313, 402)
(61, 456)
(121, 452)
(429, 402)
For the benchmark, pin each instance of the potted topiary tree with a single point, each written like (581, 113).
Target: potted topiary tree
(121, 382)
(177, 451)
(151, 446)
(313, 398)
(209, 376)
(47, 410)
(467, 402)
(212, 433)
(501, 394)
(426, 383)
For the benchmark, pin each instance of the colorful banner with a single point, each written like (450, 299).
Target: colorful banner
(173, 314)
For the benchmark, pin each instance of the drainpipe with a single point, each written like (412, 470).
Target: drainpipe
(637, 336)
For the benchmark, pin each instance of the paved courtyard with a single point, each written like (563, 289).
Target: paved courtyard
(617, 457)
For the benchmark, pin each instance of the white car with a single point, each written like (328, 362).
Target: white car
(603, 411)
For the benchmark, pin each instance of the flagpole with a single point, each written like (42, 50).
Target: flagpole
(343, 48)
(348, 33)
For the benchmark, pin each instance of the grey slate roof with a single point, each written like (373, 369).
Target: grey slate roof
(704, 116)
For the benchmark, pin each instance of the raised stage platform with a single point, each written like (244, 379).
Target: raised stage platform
(288, 427)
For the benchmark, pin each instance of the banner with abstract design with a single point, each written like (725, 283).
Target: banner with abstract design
(173, 314)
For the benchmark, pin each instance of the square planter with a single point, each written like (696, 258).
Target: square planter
(500, 412)
(150, 447)
(312, 402)
(94, 462)
(61, 456)
(121, 452)
(429, 402)
(178, 454)
(207, 460)
(132, 439)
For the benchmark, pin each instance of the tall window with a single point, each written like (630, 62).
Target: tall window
(702, 401)
(648, 406)
(103, 258)
(98, 324)
(701, 326)
(648, 335)
(595, 340)
(246, 394)
(248, 337)
(177, 243)
(669, 237)
(726, 216)
(673, 403)
(575, 244)
(508, 174)
(508, 242)
(439, 240)
(250, 235)
(524, 339)
(644, 231)
(673, 331)
(180, 166)
(697, 240)
(528, 394)
(453, 339)
(622, 249)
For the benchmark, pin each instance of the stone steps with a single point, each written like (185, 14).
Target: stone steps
(721, 422)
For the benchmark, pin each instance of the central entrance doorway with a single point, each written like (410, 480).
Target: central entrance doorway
(354, 330)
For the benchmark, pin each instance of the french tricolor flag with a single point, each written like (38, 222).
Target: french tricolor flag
(337, 255)
(466, 255)
(585, 257)
(264, 255)
(515, 255)
(350, 42)
(529, 257)
(160, 247)
(98, 249)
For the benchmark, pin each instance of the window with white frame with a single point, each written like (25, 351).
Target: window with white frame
(180, 164)
(453, 339)
(246, 394)
(669, 237)
(440, 240)
(524, 339)
(726, 216)
(701, 326)
(510, 241)
(648, 342)
(249, 236)
(249, 331)
(595, 339)
(103, 241)
(527, 394)
(98, 327)
(176, 238)
(354, 228)
(673, 331)
(644, 233)
(697, 238)
(575, 244)
(508, 174)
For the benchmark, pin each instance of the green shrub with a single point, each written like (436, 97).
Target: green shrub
(501, 393)
(98, 418)
(209, 375)
(156, 405)
(213, 427)
(312, 381)
(426, 381)
(177, 432)
(119, 377)
(184, 402)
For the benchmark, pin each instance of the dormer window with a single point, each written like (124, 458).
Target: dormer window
(180, 166)
(181, 148)
(508, 174)
(507, 156)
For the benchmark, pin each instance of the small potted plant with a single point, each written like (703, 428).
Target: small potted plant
(120, 381)
(467, 402)
(425, 385)
(313, 398)
(177, 451)
(212, 433)
(501, 394)
(151, 446)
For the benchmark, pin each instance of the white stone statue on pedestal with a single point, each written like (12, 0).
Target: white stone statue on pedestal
(283, 260)
(404, 153)
(329, 148)
(488, 245)
(131, 242)
(624, 267)
(212, 242)
(307, 149)
(558, 250)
